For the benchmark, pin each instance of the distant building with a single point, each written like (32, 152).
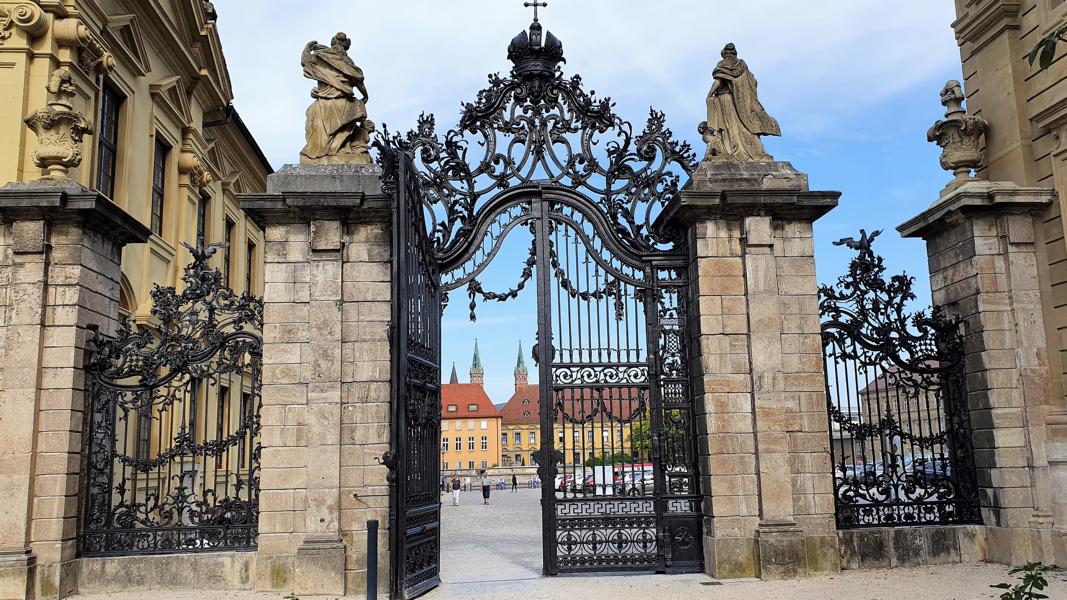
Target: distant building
(591, 439)
(470, 424)
(521, 436)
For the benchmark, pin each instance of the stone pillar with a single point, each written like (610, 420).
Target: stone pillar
(60, 246)
(980, 240)
(325, 376)
(761, 402)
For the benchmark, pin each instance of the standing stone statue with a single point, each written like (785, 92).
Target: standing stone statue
(736, 119)
(337, 129)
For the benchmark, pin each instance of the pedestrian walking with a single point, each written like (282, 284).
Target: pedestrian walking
(514, 483)
(456, 485)
(487, 485)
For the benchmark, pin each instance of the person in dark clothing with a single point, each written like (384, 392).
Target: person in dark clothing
(487, 485)
(456, 486)
(514, 483)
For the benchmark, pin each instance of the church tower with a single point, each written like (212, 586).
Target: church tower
(521, 374)
(454, 378)
(477, 373)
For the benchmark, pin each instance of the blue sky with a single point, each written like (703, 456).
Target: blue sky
(853, 83)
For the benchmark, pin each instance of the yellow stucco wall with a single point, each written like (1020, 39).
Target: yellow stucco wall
(166, 59)
(466, 430)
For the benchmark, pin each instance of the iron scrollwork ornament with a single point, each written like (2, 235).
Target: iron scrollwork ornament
(897, 401)
(537, 127)
(174, 453)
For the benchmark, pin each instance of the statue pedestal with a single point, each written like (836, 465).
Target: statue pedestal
(718, 175)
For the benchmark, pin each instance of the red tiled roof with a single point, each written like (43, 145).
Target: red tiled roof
(891, 377)
(462, 396)
(515, 411)
(618, 400)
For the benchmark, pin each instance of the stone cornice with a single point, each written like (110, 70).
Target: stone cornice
(976, 197)
(691, 206)
(66, 202)
(985, 21)
(304, 207)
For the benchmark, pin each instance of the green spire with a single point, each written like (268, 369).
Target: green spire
(520, 365)
(476, 365)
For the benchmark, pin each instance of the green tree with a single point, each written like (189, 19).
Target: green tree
(1045, 50)
(616, 458)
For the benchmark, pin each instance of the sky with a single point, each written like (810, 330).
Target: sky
(853, 83)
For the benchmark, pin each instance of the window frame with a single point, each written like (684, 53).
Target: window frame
(485, 442)
(230, 227)
(157, 211)
(110, 110)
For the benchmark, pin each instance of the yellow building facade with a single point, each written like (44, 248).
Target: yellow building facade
(165, 144)
(470, 424)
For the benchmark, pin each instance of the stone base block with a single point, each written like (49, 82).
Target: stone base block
(730, 557)
(1018, 545)
(57, 580)
(782, 554)
(17, 569)
(320, 568)
(885, 547)
(823, 554)
(209, 571)
(275, 573)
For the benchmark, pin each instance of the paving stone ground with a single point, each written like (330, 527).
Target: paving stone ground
(494, 552)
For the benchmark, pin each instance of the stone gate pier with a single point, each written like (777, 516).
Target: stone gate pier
(326, 374)
(760, 399)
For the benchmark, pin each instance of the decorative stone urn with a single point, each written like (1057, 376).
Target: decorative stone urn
(959, 135)
(59, 128)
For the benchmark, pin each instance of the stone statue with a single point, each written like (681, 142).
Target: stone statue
(59, 128)
(736, 119)
(337, 128)
(959, 135)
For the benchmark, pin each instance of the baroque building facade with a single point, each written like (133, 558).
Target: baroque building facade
(120, 145)
(470, 424)
(166, 144)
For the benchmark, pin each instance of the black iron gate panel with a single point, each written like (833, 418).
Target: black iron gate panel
(900, 432)
(618, 414)
(173, 444)
(414, 459)
(536, 151)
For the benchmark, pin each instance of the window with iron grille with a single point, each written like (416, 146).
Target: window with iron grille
(159, 176)
(107, 145)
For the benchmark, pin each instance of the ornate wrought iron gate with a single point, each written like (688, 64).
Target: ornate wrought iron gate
(535, 152)
(900, 434)
(415, 510)
(173, 451)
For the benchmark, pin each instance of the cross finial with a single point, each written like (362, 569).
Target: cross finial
(535, 4)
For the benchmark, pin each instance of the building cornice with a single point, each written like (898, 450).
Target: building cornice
(981, 23)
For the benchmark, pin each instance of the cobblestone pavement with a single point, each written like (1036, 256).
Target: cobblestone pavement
(494, 552)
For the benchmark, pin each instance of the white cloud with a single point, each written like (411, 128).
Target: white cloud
(817, 62)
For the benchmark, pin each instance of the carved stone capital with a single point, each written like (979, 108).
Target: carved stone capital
(959, 135)
(59, 128)
(28, 17)
(93, 55)
(189, 164)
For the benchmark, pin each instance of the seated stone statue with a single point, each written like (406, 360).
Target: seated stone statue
(337, 128)
(736, 119)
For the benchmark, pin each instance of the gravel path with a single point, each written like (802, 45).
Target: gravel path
(494, 552)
